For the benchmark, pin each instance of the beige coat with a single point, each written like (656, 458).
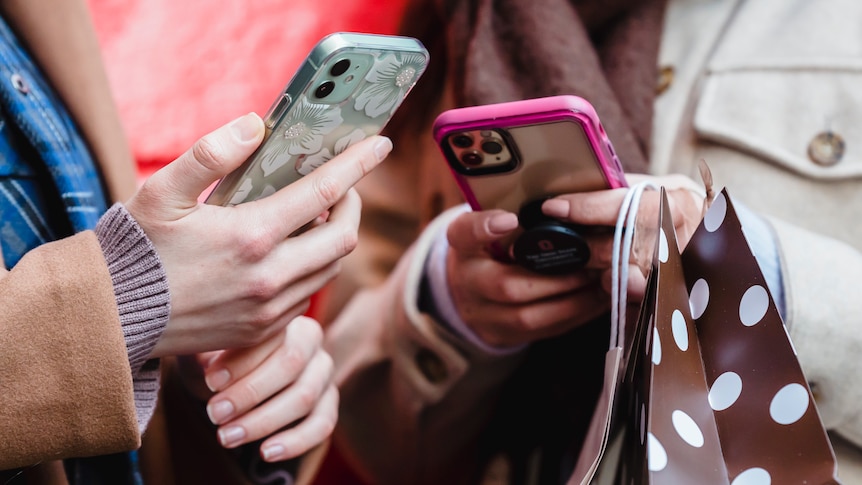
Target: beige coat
(66, 386)
(753, 84)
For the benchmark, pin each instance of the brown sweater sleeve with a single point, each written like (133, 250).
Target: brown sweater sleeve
(65, 380)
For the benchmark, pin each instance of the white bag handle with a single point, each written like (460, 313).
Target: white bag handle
(623, 239)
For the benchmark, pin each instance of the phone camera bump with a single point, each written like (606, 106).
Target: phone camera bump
(462, 140)
(472, 158)
(340, 67)
(492, 147)
(324, 90)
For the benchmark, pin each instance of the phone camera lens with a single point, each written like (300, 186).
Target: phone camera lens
(324, 90)
(492, 146)
(340, 67)
(463, 140)
(472, 158)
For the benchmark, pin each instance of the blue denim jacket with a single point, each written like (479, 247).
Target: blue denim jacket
(49, 184)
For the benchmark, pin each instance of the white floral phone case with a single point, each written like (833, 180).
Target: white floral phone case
(348, 88)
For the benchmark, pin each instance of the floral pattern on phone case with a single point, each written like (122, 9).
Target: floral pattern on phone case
(313, 132)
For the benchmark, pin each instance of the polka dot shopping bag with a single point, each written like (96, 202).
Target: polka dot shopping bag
(706, 387)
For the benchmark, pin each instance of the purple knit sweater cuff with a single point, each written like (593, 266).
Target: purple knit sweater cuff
(143, 300)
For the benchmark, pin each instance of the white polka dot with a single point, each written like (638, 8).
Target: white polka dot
(789, 404)
(662, 246)
(753, 476)
(725, 391)
(715, 215)
(699, 298)
(753, 306)
(656, 456)
(656, 347)
(687, 429)
(680, 330)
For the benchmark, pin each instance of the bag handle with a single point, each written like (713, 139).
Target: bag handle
(624, 232)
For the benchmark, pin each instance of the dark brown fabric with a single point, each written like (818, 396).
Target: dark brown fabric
(505, 50)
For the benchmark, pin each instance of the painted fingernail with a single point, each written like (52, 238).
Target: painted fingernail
(503, 223)
(218, 379)
(220, 411)
(232, 436)
(245, 128)
(556, 208)
(272, 452)
(382, 147)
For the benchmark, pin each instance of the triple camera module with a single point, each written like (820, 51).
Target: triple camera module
(486, 151)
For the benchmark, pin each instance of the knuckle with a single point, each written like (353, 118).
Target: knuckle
(253, 243)
(306, 399)
(252, 394)
(328, 190)
(349, 240)
(527, 320)
(209, 153)
(263, 288)
(508, 290)
(293, 361)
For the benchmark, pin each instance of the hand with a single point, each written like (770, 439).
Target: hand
(263, 389)
(235, 276)
(504, 304)
(602, 208)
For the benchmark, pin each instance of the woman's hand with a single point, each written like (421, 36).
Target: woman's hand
(602, 208)
(281, 389)
(235, 277)
(504, 304)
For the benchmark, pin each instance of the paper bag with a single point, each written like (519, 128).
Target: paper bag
(706, 387)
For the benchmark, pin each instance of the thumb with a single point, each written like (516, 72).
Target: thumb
(473, 231)
(180, 183)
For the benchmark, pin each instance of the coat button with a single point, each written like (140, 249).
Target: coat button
(432, 366)
(19, 83)
(665, 79)
(826, 149)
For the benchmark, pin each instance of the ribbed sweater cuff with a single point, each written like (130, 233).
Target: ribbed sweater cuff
(143, 300)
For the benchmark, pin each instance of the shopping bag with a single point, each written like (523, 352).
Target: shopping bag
(705, 388)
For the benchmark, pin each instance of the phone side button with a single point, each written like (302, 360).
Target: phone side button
(276, 110)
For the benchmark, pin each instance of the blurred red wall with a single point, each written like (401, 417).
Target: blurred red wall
(180, 68)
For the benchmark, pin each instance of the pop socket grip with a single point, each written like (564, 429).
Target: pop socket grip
(548, 245)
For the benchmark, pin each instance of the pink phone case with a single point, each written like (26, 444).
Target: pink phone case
(550, 146)
(557, 143)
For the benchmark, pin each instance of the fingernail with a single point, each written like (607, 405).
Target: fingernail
(272, 452)
(503, 223)
(556, 208)
(216, 380)
(231, 436)
(220, 411)
(246, 128)
(382, 147)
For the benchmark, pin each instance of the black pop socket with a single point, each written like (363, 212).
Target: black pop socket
(547, 245)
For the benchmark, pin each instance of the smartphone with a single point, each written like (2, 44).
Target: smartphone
(347, 89)
(515, 155)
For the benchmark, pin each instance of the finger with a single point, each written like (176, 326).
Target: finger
(313, 430)
(318, 191)
(473, 231)
(599, 208)
(340, 230)
(262, 378)
(513, 285)
(210, 158)
(509, 326)
(292, 403)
